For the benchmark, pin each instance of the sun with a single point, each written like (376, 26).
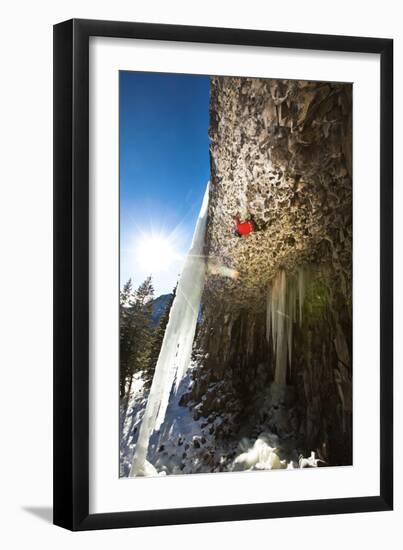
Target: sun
(155, 253)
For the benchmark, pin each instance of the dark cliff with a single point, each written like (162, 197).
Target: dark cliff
(276, 337)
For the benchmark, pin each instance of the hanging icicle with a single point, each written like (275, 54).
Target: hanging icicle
(301, 292)
(281, 314)
(268, 315)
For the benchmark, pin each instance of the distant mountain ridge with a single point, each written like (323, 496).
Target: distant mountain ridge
(159, 306)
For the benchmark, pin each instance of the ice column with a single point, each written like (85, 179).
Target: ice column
(176, 349)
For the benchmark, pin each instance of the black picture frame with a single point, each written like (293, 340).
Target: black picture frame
(71, 274)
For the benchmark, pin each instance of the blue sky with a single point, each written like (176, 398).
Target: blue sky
(164, 169)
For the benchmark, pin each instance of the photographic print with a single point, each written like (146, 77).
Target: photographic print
(235, 274)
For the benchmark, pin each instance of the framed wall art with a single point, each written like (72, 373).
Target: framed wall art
(223, 320)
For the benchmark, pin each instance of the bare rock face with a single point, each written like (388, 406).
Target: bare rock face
(281, 157)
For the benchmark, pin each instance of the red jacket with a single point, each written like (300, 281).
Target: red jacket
(244, 228)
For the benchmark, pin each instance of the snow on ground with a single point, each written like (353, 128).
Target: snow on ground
(130, 417)
(184, 445)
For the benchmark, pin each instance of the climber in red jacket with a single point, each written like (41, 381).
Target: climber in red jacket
(244, 228)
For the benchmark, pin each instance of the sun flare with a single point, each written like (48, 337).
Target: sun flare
(156, 252)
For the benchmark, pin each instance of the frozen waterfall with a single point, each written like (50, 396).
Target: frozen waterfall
(176, 349)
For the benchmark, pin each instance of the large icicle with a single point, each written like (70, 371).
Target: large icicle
(268, 316)
(176, 349)
(279, 321)
(301, 292)
(281, 313)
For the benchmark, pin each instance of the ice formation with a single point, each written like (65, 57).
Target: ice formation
(310, 462)
(264, 453)
(176, 349)
(281, 312)
(260, 456)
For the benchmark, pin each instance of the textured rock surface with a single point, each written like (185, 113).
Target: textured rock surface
(281, 157)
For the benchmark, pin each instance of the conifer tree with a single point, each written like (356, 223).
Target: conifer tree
(125, 333)
(135, 332)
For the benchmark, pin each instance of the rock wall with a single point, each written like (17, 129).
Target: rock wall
(281, 157)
